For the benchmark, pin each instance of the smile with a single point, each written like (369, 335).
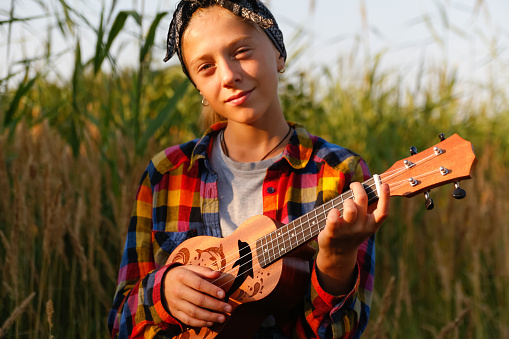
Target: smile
(240, 98)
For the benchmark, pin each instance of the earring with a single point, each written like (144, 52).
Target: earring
(282, 70)
(204, 102)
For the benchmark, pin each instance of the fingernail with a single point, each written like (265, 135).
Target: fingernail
(220, 294)
(220, 319)
(228, 308)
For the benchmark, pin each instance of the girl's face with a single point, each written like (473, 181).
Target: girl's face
(234, 65)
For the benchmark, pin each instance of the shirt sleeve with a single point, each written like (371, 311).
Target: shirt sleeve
(345, 316)
(137, 310)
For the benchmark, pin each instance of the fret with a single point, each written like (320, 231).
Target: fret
(292, 237)
(299, 231)
(347, 195)
(314, 222)
(263, 256)
(260, 251)
(266, 250)
(372, 193)
(305, 226)
(272, 239)
(326, 208)
(340, 204)
(285, 241)
(277, 251)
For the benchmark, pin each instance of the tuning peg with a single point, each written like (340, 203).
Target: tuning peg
(458, 193)
(429, 202)
(413, 150)
(441, 136)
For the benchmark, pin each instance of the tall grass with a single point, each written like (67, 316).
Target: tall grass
(72, 151)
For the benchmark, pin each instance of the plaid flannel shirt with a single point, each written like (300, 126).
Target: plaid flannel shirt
(178, 198)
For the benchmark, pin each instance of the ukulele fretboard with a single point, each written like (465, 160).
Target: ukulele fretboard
(285, 239)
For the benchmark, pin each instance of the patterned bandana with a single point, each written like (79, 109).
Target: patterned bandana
(252, 10)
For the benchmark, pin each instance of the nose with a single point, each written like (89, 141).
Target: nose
(230, 73)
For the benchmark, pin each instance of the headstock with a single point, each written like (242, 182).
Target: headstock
(449, 161)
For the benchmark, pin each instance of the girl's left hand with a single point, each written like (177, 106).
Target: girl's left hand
(339, 241)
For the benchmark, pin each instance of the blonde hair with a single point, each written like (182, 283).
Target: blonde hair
(209, 117)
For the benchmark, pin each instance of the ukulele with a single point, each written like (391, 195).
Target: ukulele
(264, 264)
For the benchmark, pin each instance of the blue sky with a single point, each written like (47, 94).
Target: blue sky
(407, 31)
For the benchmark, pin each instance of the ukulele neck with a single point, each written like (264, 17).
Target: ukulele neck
(287, 238)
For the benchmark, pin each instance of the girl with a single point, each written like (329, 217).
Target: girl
(251, 162)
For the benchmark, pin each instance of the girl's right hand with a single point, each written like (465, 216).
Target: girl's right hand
(192, 298)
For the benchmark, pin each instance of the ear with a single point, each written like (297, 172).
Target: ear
(280, 63)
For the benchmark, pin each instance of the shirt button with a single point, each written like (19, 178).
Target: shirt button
(271, 190)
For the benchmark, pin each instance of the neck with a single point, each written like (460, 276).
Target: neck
(249, 143)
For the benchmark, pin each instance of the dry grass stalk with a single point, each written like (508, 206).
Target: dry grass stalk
(6, 264)
(15, 314)
(98, 287)
(453, 324)
(49, 313)
(403, 296)
(378, 330)
(75, 239)
(106, 261)
(462, 301)
(444, 269)
(5, 189)
(11, 257)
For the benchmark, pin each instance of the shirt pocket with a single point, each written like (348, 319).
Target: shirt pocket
(164, 243)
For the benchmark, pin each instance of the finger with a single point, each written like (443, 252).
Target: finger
(333, 219)
(204, 272)
(194, 316)
(349, 211)
(199, 282)
(357, 207)
(382, 209)
(332, 224)
(359, 193)
(203, 300)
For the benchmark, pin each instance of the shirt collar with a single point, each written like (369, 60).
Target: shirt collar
(297, 152)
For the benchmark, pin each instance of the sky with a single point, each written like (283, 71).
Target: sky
(407, 32)
(464, 34)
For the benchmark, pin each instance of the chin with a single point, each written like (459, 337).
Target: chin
(246, 116)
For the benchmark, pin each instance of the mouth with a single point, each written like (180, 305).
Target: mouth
(239, 98)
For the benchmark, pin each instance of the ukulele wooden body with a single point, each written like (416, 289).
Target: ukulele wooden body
(254, 292)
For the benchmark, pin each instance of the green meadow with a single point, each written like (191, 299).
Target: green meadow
(73, 147)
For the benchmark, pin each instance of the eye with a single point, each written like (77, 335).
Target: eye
(204, 68)
(242, 52)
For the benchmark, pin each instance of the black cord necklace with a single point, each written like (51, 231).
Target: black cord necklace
(225, 148)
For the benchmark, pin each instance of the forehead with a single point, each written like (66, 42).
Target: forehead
(217, 23)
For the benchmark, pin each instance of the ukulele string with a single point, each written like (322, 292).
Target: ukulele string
(388, 175)
(404, 182)
(385, 176)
